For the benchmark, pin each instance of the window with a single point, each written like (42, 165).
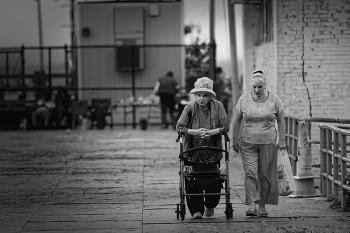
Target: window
(129, 38)
(266, 22)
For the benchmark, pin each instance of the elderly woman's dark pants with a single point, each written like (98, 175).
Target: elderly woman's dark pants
(196, 203)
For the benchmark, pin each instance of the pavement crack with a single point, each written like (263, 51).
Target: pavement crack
(31, 217)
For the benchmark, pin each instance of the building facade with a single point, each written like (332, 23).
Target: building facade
(303, 46)
(153, 34)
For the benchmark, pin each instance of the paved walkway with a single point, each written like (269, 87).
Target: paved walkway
(125, 181)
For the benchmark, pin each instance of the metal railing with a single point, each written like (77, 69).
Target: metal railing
(334, 161)
(122, 83)
(292, 134)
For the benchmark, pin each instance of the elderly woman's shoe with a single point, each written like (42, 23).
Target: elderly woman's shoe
(262, 211)
(263, 214)
(209, 212)
(251, 213)
(197, 215)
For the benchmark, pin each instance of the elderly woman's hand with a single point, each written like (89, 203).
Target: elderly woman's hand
(282, 145)
(235, 145)
(203, 133)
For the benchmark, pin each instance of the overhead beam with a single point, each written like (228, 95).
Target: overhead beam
(246, 1)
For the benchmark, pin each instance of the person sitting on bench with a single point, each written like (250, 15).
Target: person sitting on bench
(43, 111)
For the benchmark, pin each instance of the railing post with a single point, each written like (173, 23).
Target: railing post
(66, 77)
(289, 126)
(23, 65)
(329, 161)
(291, 133)
(343, 172)
(323, 161)
(50, 69)
(304, 180)
(335, 163)
(295, 146)
(7, 69)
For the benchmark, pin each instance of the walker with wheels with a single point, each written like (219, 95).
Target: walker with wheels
(181, 207)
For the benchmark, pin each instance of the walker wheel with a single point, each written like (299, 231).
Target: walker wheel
(229, 211)
(177, 211)
(183, 211)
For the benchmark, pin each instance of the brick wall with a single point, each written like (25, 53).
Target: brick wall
(313, 54)
(312, 59)
(266, 61)
(308, 62)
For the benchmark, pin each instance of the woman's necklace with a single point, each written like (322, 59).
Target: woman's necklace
(261, 98)
(204, 108)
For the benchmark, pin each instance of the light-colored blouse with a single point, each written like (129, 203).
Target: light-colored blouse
(259, 118)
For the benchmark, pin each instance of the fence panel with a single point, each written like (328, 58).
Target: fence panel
(92, 72)
(291, 134)
(333, 152)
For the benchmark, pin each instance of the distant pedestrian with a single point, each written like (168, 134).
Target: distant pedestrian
(222, 88)
(258, 111)
(166, 88)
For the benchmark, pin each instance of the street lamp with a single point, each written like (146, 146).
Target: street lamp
(212, 62)
(40, 36)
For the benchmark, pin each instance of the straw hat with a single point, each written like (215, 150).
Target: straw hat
(203, 84)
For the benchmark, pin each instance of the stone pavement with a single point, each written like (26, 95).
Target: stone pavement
(125, 181)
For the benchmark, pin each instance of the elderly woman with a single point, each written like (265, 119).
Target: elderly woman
(259, 110)
(203, 120)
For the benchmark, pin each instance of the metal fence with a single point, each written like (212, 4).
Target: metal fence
(95, 72)
(292, 133)
(333, 141)
(335, 162)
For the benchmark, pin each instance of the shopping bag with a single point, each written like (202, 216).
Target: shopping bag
(285, 178)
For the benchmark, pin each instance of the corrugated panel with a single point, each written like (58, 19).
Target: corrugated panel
(98, 64)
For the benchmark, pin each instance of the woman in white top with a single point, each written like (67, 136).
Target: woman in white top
(258, 110)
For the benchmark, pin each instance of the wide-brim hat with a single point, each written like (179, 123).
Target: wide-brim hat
(203, 84)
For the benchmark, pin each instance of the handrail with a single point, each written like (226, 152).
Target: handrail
(325, 120)
(292, 134)
(335, 128)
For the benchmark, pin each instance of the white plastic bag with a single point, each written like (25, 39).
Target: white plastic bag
(285, 178)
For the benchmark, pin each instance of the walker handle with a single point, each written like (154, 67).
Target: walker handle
(178, 137)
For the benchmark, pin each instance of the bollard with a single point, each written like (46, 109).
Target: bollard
(304, 179)
(143, 123)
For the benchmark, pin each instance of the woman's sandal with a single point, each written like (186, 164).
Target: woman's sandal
(263, 214)
(251, 213)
